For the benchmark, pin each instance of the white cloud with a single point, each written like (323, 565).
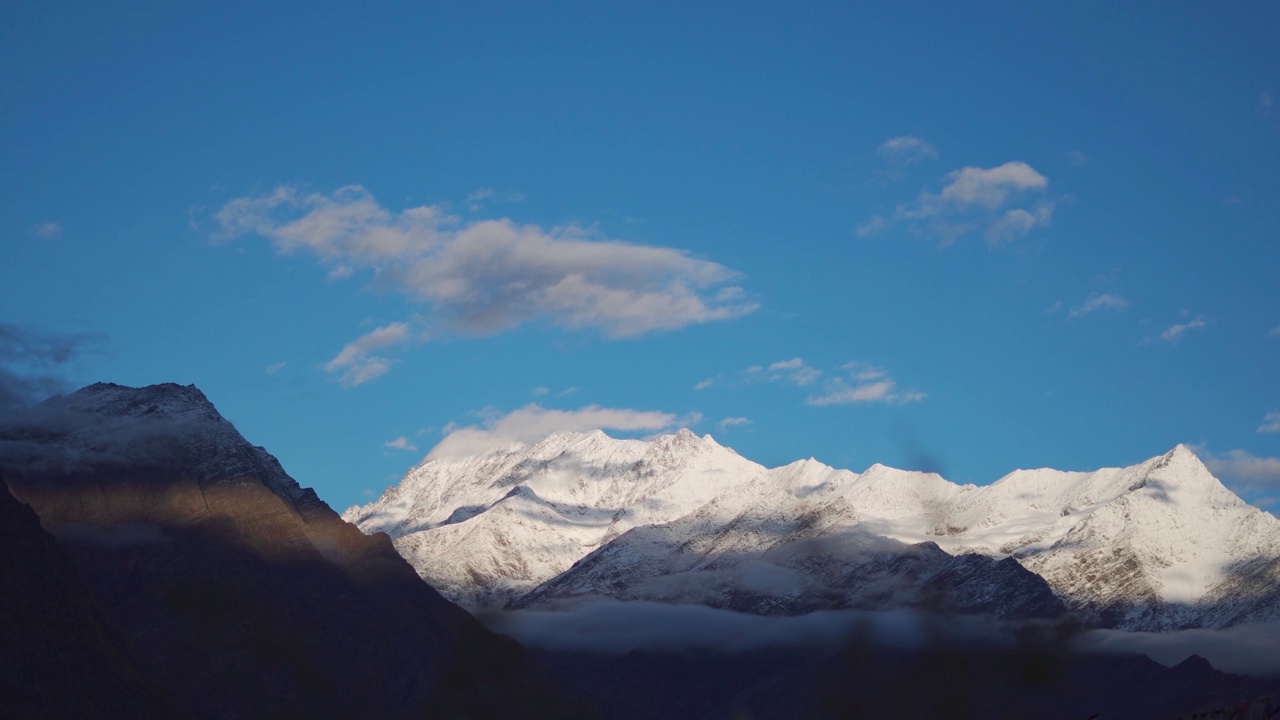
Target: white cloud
(705, 384)
(876, 225)
(733, 422)
(400, 443)
(1076, 158)
(1017, 222)
(540, 390)
(974, 199)
(991, 187)
(1242, 469)
(1173, 334)
(1270, 423)
(866, 384)
(533, 422)
(1055, 307)
(488, 276)
(906, 150)
(478, 196)
(1098, 301)
(47, 231)
(274, 368)
(355, 365)
(793, 371)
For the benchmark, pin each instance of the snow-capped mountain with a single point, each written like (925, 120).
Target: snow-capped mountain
(1156, 546)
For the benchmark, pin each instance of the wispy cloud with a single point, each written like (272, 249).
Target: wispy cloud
(1096, 302)
(1077, 158)
(488, 276)
(705, 384)
(400, 443)
(477, 198)
(1173, 334)
(733, 422)
(899, 153)
(533, 422)
(793, 371)
(1266, 102)
(1270, 423)
(274, 368)
(540, 390)
(357, 364)
(47, 231)
(974, 200)
(32, 363)
(864, 383)
(1274, 331)
(1242, 469)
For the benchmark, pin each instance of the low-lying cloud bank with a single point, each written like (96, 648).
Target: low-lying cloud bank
(1242, 650)
(614, 627)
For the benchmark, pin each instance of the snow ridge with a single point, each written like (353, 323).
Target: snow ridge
(1156, 546)
(159, 426)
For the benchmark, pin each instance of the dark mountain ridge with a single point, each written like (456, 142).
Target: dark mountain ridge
(246, 594)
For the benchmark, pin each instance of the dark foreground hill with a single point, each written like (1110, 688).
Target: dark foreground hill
(203, 580)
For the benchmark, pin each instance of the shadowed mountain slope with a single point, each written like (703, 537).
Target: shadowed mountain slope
(61, 657)
(248, 595)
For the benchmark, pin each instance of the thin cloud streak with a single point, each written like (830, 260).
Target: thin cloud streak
(32, 363)
(47, 231)
(1175, 332)
(1096, 302)
(400, 443)
(533, 422)
(356, 364)
(1242, 469)
(1270, 423)
(865, 384)
(793, 372)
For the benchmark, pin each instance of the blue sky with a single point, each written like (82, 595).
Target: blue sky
(947, 237)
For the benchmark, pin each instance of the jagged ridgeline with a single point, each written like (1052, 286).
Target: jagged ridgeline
(216, 586)
(1158, 546)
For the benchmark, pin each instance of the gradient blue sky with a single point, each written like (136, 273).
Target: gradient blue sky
(960, 237)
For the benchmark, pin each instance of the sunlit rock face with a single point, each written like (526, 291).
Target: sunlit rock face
(243, 592)
(1156, 546)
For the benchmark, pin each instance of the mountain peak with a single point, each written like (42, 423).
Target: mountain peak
(163, 400)
(1181, 453)
(171, 431)
(1181, 464)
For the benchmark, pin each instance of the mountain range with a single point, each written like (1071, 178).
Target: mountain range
(1161, 545)
(156, 564)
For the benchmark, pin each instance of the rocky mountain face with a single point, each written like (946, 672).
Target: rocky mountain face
(1157, 546)
(243, 593)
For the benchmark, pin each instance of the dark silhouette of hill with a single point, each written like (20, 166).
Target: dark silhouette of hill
(244, 594)
(1034, 679)
(61, 657)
